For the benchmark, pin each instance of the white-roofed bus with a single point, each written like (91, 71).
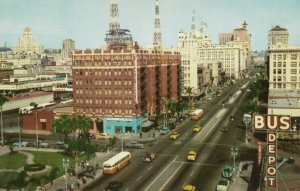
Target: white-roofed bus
(117, 162)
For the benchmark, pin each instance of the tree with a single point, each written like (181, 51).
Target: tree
(189, 91)
(33, 104)
(63, 125)
(3, 99)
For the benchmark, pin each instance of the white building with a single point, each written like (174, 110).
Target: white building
(278, 35)
(199, 55)
(68, 48)
(27, 44)
(284, 67)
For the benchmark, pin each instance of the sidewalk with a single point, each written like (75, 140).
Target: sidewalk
(85, 175)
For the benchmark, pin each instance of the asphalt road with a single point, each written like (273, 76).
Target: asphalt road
(170, 170)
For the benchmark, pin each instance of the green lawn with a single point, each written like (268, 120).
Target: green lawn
(16, 160)
(6, 177)
(13, 160)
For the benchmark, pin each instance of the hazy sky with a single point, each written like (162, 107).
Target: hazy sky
(86, 21)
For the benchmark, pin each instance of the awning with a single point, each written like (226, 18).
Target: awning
(147, 123)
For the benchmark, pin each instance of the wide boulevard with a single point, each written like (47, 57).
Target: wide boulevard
(170, 170)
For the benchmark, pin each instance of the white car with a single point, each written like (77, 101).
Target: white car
(223, 185)
(134, 145)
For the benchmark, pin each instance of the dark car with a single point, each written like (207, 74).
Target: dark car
(114, 186)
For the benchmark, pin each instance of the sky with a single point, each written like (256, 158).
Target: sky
(87, 21)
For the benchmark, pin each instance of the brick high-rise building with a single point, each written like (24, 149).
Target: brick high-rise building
(118, 86)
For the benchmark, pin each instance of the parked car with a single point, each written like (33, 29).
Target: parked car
(174, 135)
(114, 186)
(61, 145)
(103, 136)
(134, 145)
(189, 187)
(164, 131)
(197, 129)
(223, 185)
(191, 156)
(42, 144)
(228, 171)
(20, 144)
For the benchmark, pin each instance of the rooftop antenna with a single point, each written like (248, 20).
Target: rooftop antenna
(193, 21)
(157, 33)
(114, 16)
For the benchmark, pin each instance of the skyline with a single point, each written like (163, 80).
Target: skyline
(52, 21)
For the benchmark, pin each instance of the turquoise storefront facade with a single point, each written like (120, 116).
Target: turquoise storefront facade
(118, 125)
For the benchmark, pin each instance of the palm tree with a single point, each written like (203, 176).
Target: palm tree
(188, 90)
(3, 99)
(34, 105)
(63, 125)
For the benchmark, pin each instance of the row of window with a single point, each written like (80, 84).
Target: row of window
(283, 71)
(104, 82)
(116, 101)
(284, 56)
(106, 72)
(104, 91)
(283, 64)
(283, 86)
(279, 78)
(99, 63)
(104, 111)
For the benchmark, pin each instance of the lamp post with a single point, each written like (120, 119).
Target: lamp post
(66, 167)
(19, 130)
(234, 152)
(246, 120)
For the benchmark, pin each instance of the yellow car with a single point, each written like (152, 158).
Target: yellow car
(189, 187)
(174, 135)
(191, 156)
(197, 129)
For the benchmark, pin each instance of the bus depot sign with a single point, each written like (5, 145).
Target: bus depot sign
(272, 124)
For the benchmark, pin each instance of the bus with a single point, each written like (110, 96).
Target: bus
(197, 114)
(26, 110)
(117, 162)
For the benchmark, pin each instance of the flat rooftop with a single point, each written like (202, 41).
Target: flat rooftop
(284, 99)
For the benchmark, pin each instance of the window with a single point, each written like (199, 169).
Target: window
(293, 71)
(274, 57)
(274, 64)
(293, 64)
(293, 78)
(293, 56)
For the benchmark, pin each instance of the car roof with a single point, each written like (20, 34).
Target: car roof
(192, 152)
(188, 187)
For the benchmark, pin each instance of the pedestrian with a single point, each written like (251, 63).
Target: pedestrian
(153, 135)
(82, 164)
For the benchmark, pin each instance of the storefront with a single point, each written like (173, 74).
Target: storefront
(120, 125)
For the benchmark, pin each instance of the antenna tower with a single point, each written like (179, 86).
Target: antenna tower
(193, 21)
(116, 37)
(157, 33)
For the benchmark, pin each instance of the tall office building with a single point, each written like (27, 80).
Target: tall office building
(278, 35)
(238, 36)
(284, 61)
(27, 44)
(68, 46)
(120, 83)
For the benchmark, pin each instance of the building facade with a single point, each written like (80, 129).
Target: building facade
(278, 35)
(203, 62)
(68, 46)
(28, 44)
(284, 67)
(117, 86)
(239, 35)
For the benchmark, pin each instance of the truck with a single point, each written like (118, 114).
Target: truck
(197, 114)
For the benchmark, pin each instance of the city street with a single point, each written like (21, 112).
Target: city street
(171, 170)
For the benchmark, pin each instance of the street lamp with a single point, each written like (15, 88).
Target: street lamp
(20, 138)
(66, 164)
(234, 153)
(246, 120)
